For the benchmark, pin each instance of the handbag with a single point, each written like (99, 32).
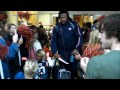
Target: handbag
(64, 74)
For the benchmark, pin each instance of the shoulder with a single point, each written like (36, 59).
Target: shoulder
(97, 64)
(16, 45)
(2, 41)
(19, 75)
(36, 42)
(99, 60)
(74, 23)
(44, 62)
(93, 68)
(55, 27)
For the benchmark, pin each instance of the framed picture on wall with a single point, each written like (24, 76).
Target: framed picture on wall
(78, 19)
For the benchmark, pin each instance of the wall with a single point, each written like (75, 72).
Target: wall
(47, 16)
(95, 13)
(14, 20)
(80, 12)
(45, 19)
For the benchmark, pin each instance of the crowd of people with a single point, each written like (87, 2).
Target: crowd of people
(90, 52)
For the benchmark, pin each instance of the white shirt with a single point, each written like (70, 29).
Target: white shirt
(37, 46)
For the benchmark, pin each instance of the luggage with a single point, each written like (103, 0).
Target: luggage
(64, 74)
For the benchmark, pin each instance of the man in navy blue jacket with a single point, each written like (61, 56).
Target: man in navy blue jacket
(66, 38)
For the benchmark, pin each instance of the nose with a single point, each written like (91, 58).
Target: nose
(62, 19)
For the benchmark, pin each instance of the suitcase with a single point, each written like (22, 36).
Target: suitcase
(64, 74)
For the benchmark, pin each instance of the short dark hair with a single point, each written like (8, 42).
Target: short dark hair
(95, 21)
(32, 27)
(61, 12)
(67, 13)
(9, 25)
(88, 24)
(111, 25)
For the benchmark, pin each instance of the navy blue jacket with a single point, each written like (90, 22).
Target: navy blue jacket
(66, 38)
(12, 50)
(42, 71)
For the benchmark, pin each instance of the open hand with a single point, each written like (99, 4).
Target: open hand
(20, 41)
(77, 56)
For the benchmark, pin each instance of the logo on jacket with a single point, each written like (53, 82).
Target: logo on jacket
(70, 29)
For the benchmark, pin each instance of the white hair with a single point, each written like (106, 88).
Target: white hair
(30, 67)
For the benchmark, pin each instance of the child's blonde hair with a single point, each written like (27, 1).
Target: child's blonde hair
(41, 53)
(94, 39)
(30, 67)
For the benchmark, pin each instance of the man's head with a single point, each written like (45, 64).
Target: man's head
(110, 30)
(96, 24)
(88, 25)
(63, 16)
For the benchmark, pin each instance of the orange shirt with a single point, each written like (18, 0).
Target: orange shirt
(47, 50)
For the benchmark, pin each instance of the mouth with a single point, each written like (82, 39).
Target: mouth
(62, 22)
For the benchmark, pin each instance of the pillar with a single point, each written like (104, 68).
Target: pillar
(9, 18)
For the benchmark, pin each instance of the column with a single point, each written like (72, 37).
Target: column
(9, 16)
